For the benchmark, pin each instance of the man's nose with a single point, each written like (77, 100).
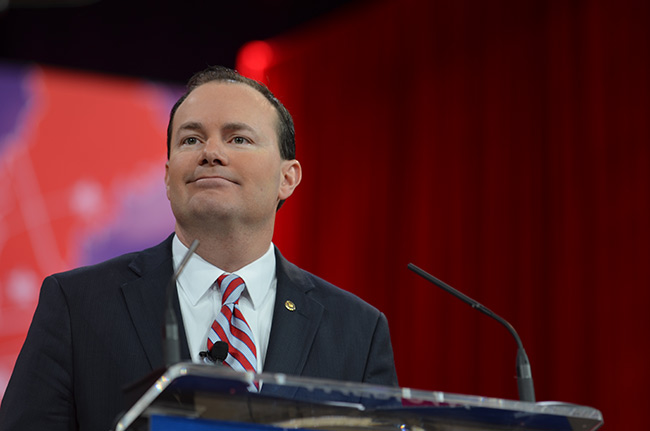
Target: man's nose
(214, 153)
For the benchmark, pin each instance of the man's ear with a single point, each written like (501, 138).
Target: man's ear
(167, 178)
(291, 176)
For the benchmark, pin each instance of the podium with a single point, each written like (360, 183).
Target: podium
(197, 397)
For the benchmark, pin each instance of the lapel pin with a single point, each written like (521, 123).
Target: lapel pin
(289, 305)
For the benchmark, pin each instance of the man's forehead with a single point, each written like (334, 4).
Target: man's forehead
(230, 91)
(229, 98)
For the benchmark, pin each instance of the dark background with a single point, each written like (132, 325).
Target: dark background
(155, 39)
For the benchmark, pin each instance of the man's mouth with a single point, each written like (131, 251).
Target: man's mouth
(212, 179)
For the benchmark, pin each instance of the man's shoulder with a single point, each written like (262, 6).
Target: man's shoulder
(135, 262)
(320, 289)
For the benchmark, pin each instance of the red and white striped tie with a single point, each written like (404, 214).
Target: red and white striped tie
(230, 326)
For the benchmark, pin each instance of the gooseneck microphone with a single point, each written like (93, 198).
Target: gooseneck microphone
(217, 353)
(524, 374)
(171, 341)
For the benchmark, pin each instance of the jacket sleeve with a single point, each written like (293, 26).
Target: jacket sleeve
(380, 364)
(39, 395)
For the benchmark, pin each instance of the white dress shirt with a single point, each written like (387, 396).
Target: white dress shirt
(200, 300)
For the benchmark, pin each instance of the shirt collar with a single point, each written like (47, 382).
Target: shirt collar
(199, 275)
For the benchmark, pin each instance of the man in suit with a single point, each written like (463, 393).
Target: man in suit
(231, 164)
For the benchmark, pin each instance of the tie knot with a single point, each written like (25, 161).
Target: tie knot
(231, 287)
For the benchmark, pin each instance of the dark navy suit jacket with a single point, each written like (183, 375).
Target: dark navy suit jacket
(97, 329)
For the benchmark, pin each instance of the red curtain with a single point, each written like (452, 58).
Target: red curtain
(504, 147)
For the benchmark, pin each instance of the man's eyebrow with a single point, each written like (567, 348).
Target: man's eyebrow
(236, 126)
(191, 125)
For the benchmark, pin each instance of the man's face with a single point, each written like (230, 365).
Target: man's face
(224, 161)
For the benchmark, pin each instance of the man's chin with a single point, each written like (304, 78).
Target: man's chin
(205, 212)
(219, 211)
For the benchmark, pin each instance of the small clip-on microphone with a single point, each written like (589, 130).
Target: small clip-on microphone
(217, 353)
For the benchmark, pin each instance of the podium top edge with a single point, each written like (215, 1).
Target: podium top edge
(413, 397)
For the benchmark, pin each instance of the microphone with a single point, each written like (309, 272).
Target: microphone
(524, 374)
(171, 341)
(217, 353)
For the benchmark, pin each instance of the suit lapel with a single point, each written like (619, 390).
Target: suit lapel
(292, 331)
(296, 318)
(145, 298)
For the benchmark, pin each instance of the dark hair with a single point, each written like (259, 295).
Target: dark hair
(285, 128)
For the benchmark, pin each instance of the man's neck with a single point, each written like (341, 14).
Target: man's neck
(229, 251)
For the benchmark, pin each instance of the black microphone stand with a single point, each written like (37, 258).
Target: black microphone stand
(524, 374)
(171, 340)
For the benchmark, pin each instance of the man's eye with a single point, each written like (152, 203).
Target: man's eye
(240, 140)
(190, 141)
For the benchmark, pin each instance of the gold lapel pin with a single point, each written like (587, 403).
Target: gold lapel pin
(289, 305)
